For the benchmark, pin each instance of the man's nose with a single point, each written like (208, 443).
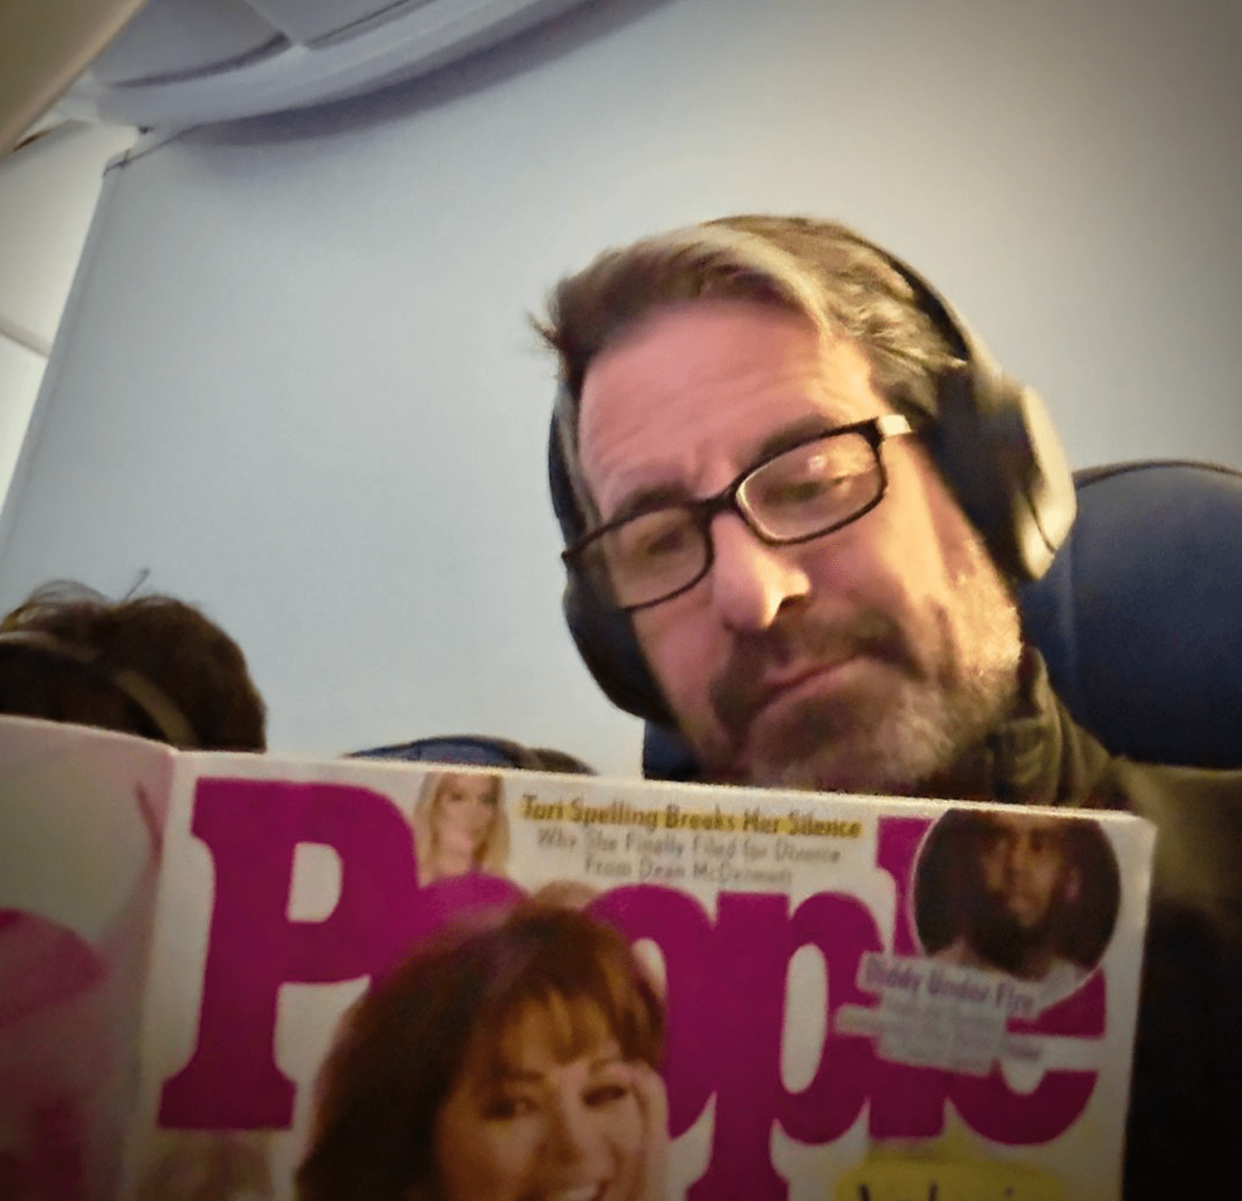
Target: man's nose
(752, 581)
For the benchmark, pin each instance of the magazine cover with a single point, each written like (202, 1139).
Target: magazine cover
(381, 980)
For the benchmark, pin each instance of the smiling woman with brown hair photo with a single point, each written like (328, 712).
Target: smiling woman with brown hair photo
(513, 1059)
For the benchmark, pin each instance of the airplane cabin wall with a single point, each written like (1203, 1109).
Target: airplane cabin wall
(295, 382)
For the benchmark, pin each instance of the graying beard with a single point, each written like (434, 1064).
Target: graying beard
(909, 745)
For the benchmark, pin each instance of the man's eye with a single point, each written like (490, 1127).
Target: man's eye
(804, 488)
(654, 538)
(805, 491)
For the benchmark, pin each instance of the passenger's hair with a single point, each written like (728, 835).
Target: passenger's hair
(149, 665)
(453, 1004)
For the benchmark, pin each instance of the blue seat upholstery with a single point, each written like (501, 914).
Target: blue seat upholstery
(1139, 617)
(477, 750)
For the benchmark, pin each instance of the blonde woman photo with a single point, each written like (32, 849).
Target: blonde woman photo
(460, 825)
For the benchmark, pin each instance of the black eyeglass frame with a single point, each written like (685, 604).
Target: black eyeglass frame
(875, 430)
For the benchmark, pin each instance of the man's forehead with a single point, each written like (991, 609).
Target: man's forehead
(711, 380)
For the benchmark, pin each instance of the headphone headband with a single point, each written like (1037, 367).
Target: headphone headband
(151, 700)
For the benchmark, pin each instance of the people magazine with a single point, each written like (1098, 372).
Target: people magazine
(232, 977)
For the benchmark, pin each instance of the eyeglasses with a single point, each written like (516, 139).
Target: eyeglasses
(794, 495)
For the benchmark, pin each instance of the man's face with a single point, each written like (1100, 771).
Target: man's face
(865, 660)
(1024, 869)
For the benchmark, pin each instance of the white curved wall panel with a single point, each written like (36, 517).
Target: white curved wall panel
(192, 62)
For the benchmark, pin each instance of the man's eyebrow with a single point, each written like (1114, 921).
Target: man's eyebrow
(814, 425)
(656, 496)
(653, 496)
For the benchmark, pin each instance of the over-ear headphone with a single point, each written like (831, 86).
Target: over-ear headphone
(146, 696)
(992, 440)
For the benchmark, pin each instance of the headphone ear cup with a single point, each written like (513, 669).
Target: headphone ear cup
(564, 502)
(605, 639)
(995, 445)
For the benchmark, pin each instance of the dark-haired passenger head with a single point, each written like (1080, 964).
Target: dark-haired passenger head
(149, 665)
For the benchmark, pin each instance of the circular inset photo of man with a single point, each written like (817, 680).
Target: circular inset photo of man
(1018, 891)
